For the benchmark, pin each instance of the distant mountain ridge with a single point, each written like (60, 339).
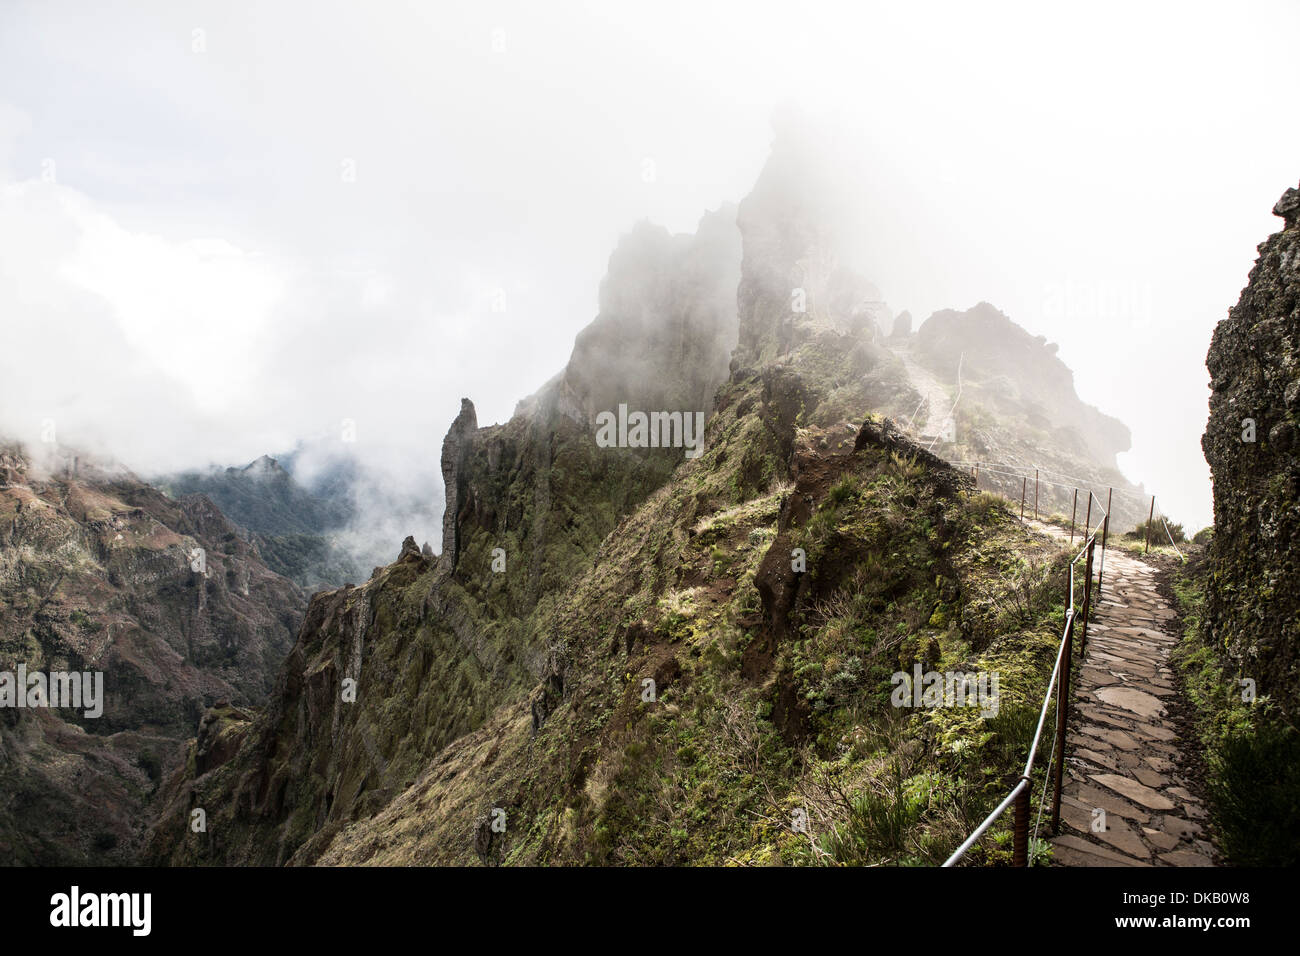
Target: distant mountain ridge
(292, 523)
(264, 496)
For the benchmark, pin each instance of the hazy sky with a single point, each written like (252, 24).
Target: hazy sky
(225, 226)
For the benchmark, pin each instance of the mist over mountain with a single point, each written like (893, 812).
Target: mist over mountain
(214, 317)
(322, 516)
(693, 435)
(506, 640)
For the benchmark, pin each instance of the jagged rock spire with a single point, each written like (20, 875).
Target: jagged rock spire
(456, 449)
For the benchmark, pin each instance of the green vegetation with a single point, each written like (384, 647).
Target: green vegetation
(1252, 749)
(1159, 535)
(309, 560)
(686, 661)
(897, 785)
(723, 767)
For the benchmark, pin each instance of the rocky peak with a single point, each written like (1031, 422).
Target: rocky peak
(661, 342)
(666, 327)
(263, 467)
(793, 283)
(1018, 372)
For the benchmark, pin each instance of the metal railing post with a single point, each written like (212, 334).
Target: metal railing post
(1105, 533)
(1062, 715)
(1150, 517)
(1020, 835)
(1020, 798)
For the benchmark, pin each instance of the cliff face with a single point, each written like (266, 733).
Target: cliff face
(98, 573)
(667, 321)
(1253, 449)
(800, 304)
(456, 449)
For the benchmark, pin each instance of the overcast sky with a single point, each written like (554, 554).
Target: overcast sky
(226, 226)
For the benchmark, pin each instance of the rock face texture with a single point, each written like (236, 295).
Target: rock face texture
(1253, 449)
(793, 286)
(1032, 378)
(456, 448)
(667, 321)
(165, 597)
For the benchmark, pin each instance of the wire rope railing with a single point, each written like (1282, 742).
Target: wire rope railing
(1058, 687)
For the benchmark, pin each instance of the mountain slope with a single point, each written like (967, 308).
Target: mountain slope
(98, 573)
(1011, 404)
(769, 588)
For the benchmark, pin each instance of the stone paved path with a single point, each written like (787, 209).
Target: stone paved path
(933, 421)
(1125, 801)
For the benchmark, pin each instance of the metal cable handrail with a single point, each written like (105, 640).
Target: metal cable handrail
(1058, 681)
(1039, 480)
(1070, 481)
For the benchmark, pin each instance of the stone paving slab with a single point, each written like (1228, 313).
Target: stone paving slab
(1125, 801)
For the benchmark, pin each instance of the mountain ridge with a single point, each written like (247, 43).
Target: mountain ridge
(620, 561)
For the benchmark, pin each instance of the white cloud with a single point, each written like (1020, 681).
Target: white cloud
(215, 251)
(189, 307)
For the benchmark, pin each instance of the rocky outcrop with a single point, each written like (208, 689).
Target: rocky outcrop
(791, 280)
(1252, 444)
(1024, 374)
(456, 448)
(1014, 408)
(667, 321)
(902, 327)
(800, 302)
